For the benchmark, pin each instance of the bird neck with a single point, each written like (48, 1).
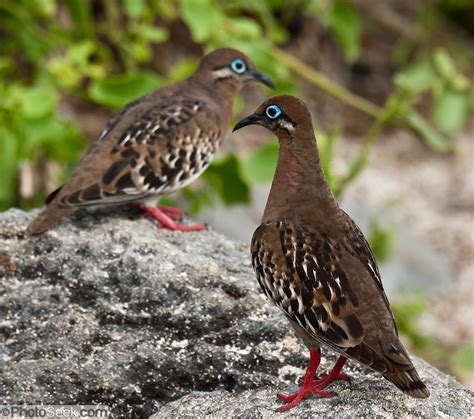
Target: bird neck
(221, 92)
(299, 189)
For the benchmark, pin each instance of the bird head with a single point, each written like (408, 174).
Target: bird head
(283, 115)
(231, 67)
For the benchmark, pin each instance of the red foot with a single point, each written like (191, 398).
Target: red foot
(311, 386)
(295, 398)
(165, 220)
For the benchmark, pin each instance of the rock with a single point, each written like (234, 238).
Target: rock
(368, 396)
(108, 309)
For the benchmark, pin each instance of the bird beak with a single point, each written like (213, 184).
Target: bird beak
(250, 120)
(261, 78)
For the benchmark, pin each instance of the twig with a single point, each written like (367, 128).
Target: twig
(325, 83)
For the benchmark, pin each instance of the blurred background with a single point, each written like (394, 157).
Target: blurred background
(389, 85)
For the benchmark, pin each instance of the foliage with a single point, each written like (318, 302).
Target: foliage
(381, 240)
(450, 89)
(105, 53)
(408, 308)
(100, 52)
(463, 361)
(407, 311)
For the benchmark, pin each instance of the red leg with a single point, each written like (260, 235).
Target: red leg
(165, 221)
(335, 374)
(174, 213)
(307, 387)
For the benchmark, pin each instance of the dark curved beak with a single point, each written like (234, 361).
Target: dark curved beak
(261, 78)
(250, 120)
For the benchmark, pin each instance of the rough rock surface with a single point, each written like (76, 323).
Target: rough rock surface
(108, 309)
(366, 397)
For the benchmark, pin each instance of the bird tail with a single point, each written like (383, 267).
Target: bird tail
(392, 360)
(51, 215)
(401, 370)
(409, 382)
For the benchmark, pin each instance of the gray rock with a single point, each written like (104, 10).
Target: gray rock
(367, 396)
(108, 309)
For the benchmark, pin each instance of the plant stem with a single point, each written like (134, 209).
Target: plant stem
(412, 120)
(325, 83)
(387, 113)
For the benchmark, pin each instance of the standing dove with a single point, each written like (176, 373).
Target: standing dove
(314, 263)
(157, 144)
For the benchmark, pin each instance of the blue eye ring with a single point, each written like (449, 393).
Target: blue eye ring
(273, 111)
(238, 66)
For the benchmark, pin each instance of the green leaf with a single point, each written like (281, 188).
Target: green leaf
(140, 50)
(135, 8)
(429, 135)
(117, 91)
(198, 198)
(165, 9)
(447, 69)
(244, 28)
(38, 102)
(381, 239)
(224, 176)
(153, 33)
(8, 164)
(260, 166)
(87, 56)
(202, 18)
(343, 21)
(326, 143)
(64, 73)
(6, 65)
(451, 111)
(417, 78)
(80, 14)
(406, 311)
(31, 45)
(444, 63)
(51, 137)
(182, 70)
(47, 8)
(464, 358)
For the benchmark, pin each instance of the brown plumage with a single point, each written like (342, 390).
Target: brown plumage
(314, 263)
(158, 143)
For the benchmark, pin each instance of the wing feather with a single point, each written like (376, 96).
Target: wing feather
(162, 149)
(305, 280)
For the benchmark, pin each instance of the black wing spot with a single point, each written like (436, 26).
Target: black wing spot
(125, 182)
(339, 330)
(114, 170)
(91, 193)
(152, 180)
(130, 152)
(53, 195)
(74, 198)
(354, 326)
(312, 319)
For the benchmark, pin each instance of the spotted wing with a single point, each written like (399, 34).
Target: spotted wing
(162, 148)
(356, 244)
(300, 273)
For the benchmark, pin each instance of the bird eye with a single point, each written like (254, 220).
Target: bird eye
(238, 66)
(273, 111)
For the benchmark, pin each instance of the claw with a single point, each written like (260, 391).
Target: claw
(335, 374)
(312, 386)
(293, 399)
